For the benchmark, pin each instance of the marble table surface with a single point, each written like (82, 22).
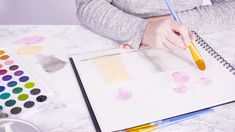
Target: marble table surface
(67, 111)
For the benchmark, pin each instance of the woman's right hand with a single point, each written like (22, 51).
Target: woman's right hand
(162, 33)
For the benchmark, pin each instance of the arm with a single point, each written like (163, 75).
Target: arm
(105, 19)
(207, 19)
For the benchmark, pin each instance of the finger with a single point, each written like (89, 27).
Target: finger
(127, 47)
(176, 40)
(170, 46)
(121, 46)
(192, 36)
(183, 31)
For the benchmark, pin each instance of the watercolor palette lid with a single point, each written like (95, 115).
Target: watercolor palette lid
(16, 125)
(21, 90)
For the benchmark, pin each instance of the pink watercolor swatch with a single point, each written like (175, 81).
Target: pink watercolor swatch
(180, 77)
(30, 40)
(181, 89)
(205, 81)
(124, 94)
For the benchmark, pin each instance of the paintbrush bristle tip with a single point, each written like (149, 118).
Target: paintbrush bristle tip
(201, 65)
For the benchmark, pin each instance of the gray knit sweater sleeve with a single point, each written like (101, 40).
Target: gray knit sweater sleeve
(208, 19)
(107, 20)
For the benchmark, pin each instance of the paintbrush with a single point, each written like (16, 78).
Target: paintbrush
(194, 52)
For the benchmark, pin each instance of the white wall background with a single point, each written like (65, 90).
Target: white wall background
(37, 12)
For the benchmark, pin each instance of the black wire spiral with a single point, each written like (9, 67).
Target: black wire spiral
(214, 54)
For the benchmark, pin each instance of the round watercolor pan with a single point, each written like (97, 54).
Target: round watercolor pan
(9, 62)
(4, 57)
(6, 77)
(3, 71)
(19, 73)
(2, 52)
(2, 88)
(13, 67)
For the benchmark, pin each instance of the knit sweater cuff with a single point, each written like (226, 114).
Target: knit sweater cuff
(135, 41)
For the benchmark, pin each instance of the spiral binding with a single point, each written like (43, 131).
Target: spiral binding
(214, 54)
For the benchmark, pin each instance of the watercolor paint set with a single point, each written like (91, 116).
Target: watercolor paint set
(21, 90)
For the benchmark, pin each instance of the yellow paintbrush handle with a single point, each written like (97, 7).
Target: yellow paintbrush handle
(143, 129)
(138, 127)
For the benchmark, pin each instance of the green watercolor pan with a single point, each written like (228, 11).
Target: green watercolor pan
(21, 90)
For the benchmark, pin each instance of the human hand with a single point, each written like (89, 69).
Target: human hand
(162, 33)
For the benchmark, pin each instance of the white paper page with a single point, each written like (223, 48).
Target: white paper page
(135, 88)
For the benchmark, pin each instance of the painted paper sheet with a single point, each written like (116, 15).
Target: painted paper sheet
(135, 88)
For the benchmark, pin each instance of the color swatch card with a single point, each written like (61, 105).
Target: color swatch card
(128, 89)
(20, 89)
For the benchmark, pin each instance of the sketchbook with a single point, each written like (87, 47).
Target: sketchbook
(124, 89)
